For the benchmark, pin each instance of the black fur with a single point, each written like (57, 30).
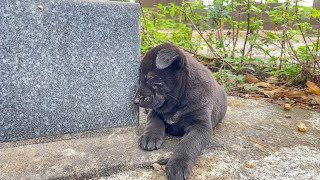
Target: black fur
(184, 100)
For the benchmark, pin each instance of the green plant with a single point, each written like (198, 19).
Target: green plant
(170, 24)
(201, 30)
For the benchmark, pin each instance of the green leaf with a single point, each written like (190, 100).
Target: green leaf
(240, 78)
(172, 12)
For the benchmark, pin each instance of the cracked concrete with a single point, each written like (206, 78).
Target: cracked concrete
(257, 140)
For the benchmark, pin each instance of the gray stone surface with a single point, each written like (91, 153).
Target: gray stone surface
(253, 132)
(66, 66)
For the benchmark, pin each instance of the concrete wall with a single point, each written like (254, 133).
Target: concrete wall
(67, 66)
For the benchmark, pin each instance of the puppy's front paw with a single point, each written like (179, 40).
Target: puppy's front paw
(178, 169)
(150, 141)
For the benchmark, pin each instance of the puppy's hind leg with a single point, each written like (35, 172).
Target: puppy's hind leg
(154, 133)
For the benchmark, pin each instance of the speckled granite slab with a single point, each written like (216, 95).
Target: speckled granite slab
(67, 66)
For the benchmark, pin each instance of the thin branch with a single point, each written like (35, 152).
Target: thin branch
(201, 34)
(297, 58)
(221, 38)
(201, 55)
(248, 28)
(308, 48)
(232, 18)
(237, 33)
(144, 18)
(317, 53)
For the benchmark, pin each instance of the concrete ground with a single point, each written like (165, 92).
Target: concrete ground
(257, 140)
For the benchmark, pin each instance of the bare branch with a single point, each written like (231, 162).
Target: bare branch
(201, 34)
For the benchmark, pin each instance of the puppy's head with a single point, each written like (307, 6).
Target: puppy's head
(161, 77)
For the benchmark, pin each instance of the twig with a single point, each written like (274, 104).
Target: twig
(232, 18)
(221, 37)
(237, 33)
(259, 143)
(284, 29)
(201, 55)
(317, 49)
(255, 39)
(308, 48)
(144, 18)
(273, 42)
(248, 28)
(297, 58)
(267, 53)
(200, 33)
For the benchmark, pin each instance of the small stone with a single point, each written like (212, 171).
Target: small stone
(156, 166)
(287, 107)
(286, 99)
(249, 165)
(163, 167)
(302, 127)
(40, 7)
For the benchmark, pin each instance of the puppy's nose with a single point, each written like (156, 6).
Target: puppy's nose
(137, 99)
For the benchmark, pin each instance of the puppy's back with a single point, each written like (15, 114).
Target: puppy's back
(206, 89)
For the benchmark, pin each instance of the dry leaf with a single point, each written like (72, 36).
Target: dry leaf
(272, 93)
(277, 93)
(249, 165)
(302, 127)
(263, 84)
(317, 100)
(240, 86)
(250, 78)
(312, 99)
(287, 106)
(272, 80)
(313, 88)
(292, 94)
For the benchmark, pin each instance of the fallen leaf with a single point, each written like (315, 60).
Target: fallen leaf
(272, 80)
(287, 106)
(272, 93)
(292, 94)
(250, 78)
(249, 165)
(263, 84)
(233, 81)
(302, 127)
(313, 88)
(279, 93)
(317, 99)
(240, 86)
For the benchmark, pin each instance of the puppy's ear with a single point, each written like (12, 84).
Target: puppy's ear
(167, 57)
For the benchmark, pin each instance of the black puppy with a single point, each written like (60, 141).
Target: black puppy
(184, 100)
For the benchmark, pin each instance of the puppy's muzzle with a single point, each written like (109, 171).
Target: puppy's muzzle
(139, 98)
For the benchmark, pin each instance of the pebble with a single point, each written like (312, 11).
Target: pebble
(156, 166)
(302, 127)
(287, 106)
(163, 167)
